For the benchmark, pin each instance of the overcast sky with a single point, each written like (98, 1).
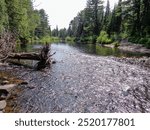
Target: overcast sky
(61, 12)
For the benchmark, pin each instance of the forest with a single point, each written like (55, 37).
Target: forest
(20, 18)
(129, 19)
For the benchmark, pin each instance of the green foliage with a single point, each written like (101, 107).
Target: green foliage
(134, 40)
(3, 16)
(89, 39)
(86, 25)
(143, 41)
(43, 28)
(55, 39)
(116, 44)
(148, 43)
(62, 33)
(103, 38)
(45, 39)
(69, 39)
(123, 35)
(19, 17)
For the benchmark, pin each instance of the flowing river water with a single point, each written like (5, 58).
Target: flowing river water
(84, 79)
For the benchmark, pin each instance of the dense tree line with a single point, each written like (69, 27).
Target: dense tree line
(20, 18)
(129, 19)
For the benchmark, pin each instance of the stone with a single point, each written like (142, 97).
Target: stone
(3, 94)
(5, 78)
(53, 62)
(31, 87)
(2, 104)
(7, 87)
(5, 82)
(24, 83)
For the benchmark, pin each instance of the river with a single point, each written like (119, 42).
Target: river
(83, 80)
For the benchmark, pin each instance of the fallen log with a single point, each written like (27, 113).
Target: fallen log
(44, 57)
(28, 56)
(25, 56)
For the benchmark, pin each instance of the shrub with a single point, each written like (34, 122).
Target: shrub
(143, 41)
(134, 39)
(148, 43)
(55, 39)
(91, 39)
(114, 37)
(45, 39)
(116, 44)
(123, 35)
(69, 39)
(103, 38)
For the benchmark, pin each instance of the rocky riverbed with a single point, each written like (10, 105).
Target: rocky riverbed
(80, 82)
(8, 83)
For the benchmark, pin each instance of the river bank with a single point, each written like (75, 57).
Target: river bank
(8, 83)
(127, 46)
(80, 82)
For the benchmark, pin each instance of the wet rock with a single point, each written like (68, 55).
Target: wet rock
(53, 62)
(8, 87)
(3, 94)
(2, 104)
(5, 78)
(5, 82)
(24, 83)
(31, 87)
(76, 97)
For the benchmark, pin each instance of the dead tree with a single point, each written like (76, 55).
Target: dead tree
(45, 57)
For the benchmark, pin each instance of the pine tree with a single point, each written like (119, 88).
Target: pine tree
(3, 16)
(43, 27)
(107, 17)
(94, 6)
(145, 21)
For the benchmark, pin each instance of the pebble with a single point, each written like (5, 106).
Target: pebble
(2, 104)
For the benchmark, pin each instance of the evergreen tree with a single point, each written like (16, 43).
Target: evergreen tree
(94, 6)
(145, 21)
(107, 17)
(43, 27)
(3, 16)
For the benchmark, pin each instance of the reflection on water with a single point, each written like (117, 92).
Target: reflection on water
(84, 48)
(35, 47)
(105, 51)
